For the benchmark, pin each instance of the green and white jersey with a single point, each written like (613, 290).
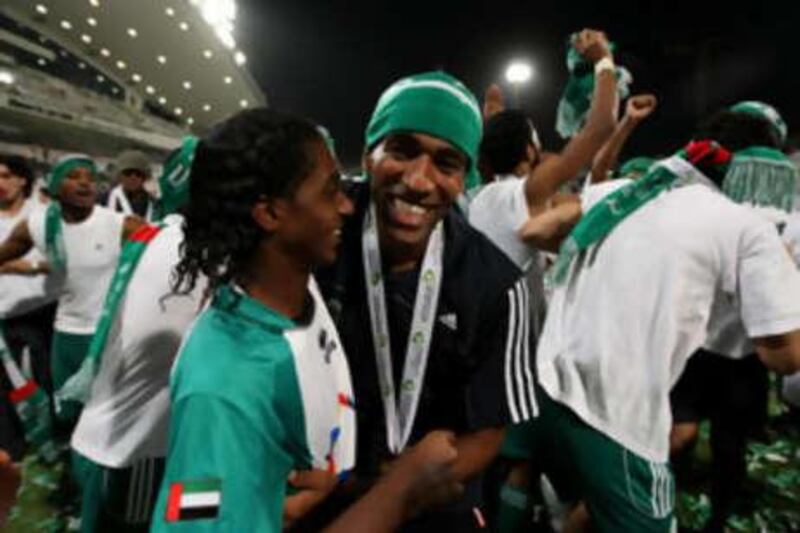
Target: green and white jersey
(254, 396)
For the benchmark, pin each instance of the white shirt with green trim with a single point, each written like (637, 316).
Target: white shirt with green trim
(791, 236)
(127, 415)
(726, 333)
(93, 248)
(636, 305)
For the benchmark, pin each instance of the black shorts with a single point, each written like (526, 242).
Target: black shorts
(714, 387)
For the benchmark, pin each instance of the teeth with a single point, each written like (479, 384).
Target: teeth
(410, 208)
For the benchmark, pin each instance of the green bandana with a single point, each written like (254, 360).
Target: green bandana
(433, 103)
(766, 112)
(78, 386)
(53, 226)
(604, 216)
(577, 98)
(636, 167)
(762, 177)
(174, 180)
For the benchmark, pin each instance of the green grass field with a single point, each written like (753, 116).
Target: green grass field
(771, 503)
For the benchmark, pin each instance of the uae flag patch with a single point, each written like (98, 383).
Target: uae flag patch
(194, 500)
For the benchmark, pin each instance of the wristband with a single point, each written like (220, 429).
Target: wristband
(604, 64)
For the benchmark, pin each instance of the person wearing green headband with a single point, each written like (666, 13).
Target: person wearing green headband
(768, 114)
(273, 408)
(761, 179)
(121, 432)
(425, 304)
(82, 242)
(633, 290)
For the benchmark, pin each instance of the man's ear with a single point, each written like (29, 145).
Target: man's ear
(268, 214)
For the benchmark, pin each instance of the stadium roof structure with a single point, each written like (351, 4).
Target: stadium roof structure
(173, 59)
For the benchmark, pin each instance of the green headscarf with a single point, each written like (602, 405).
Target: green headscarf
(766, 112)
(174, 180)
(763, 177)
(759, 175)
(577, 98)
(434, 103)
(53, 224)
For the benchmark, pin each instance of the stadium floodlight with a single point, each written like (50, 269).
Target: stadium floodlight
(6, 77)
(518, 74)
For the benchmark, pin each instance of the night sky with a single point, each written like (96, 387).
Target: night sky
(330, 60)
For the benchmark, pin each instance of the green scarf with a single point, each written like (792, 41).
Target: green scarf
(53, 225)
(606, 215)
(174, 179)
(577, 98)
(635, 167)
(434, 103)
(32, 406)
(762, 177)
(78, 386)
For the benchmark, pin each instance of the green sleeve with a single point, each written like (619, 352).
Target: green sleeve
(217, 443)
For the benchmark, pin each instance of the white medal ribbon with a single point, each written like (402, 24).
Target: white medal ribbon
(400, 416)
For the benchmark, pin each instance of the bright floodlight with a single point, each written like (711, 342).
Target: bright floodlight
(6, 77)
(518, 72)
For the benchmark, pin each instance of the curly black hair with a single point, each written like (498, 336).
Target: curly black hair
(256, 153)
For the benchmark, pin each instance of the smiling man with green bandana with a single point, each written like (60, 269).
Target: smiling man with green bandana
(433, 316)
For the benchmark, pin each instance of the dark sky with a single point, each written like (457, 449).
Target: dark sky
(329, 60)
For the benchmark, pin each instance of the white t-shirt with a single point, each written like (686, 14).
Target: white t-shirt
(93, 247)
(127, 416)
(20, 294)
(498, 211)
(791, 236)
(726, 333)
(635, 306)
